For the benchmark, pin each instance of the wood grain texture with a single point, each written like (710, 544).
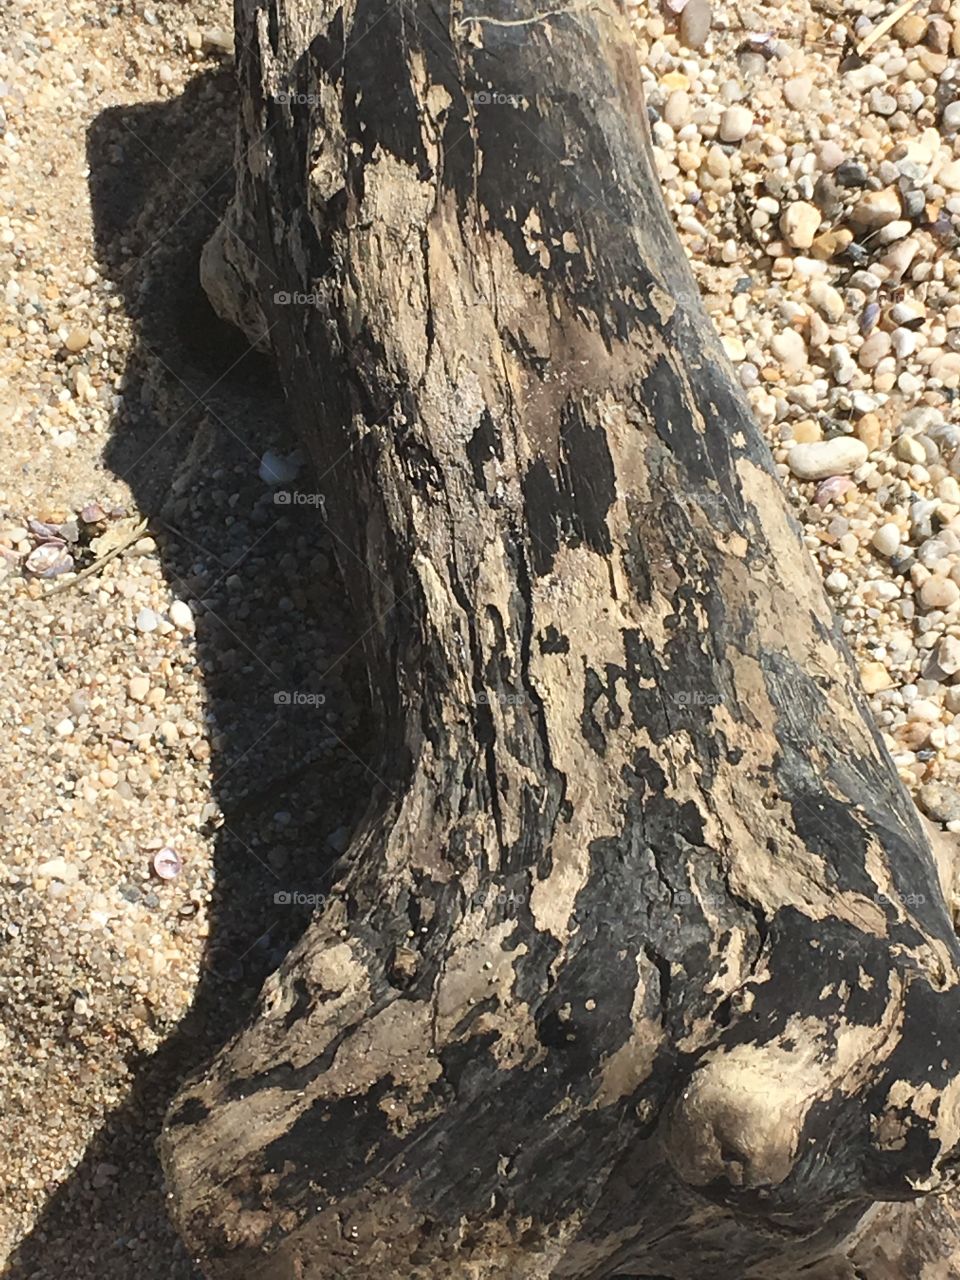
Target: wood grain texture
(638, 963)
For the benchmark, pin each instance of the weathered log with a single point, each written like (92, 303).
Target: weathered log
(638, 963)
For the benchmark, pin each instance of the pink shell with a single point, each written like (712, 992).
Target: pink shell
(166, 864)
(832, 489)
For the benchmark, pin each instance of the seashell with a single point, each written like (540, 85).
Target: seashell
(166, 864)
(49, 560)
(832, 490)
(869, 317)
(45, 532)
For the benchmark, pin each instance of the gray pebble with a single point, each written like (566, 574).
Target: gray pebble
(882, 104)
(851, 174)
(940, 802)
(695, 23)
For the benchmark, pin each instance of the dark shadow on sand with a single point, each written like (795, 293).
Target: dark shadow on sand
(198, 410)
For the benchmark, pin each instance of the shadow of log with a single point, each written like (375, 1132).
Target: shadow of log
(278, 648)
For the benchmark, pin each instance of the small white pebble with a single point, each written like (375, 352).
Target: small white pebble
(886, 540)
(735, 123)
(147, 621)
(138, 687)
(181, 615)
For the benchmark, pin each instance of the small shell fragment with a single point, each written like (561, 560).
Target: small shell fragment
(832, 489)
(166, 864)
(44, 531)
(49, 560)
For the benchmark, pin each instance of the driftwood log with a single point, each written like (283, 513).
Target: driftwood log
(638, 963)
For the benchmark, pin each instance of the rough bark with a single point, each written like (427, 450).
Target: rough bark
(638, 963)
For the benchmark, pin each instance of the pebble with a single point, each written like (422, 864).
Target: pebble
(868, 430)
(799, 223)
(277, 470)
(676, 111)
(790, 349)
(77, 339)
(939, 802)
(940, 34)
(949, 176)
(796, 93)
(939, 593)
(835, 457)
(910, 450)
(695, 23)
(886, 540)
(138, 687)
(828, 301)
(908, 312)
(882, 104)
(830, 243)
(829, 155)
(874, 677)
(167, 864)
(59, 869)
(852, 174)
(948, 655)
(874, 349)
(910, 30)
(876, 209)
(181, 615)
(904, 343)
(735, 123)
(841, 364)
(147, 620)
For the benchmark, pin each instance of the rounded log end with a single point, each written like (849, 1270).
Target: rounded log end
(737, 1124)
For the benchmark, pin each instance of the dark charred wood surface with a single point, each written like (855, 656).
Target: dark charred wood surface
(638, 963)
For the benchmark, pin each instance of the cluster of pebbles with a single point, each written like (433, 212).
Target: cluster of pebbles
(811, 156)
(818, 195)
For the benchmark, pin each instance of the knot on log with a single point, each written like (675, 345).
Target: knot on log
(786, 1125)
(738, 1122)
